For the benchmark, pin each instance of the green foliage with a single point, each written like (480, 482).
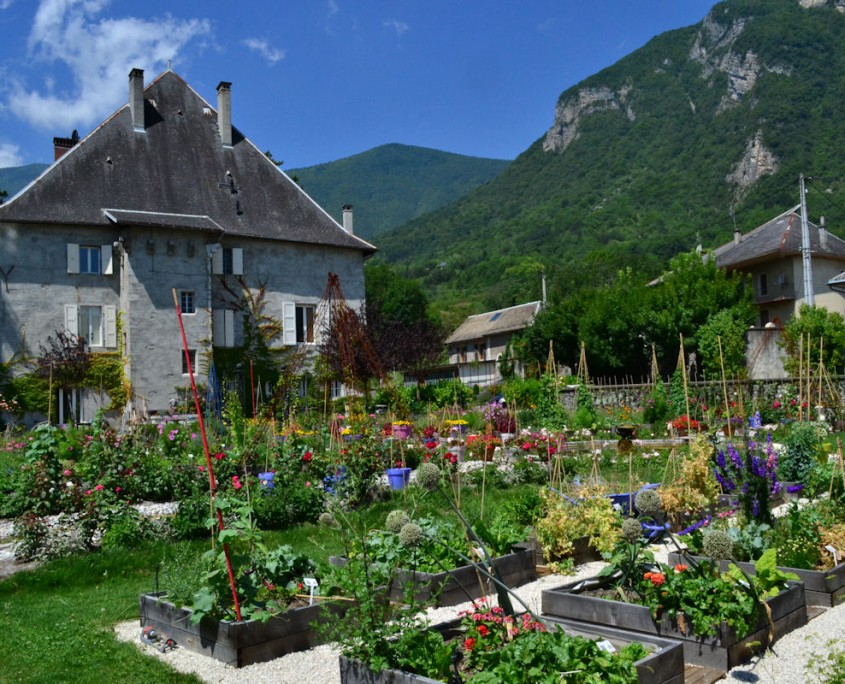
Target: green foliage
(822, 331)
(827, 666)
(803, 447)
(727, 328)
(392, 184)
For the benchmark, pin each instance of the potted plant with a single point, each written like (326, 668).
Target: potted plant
(402, 429)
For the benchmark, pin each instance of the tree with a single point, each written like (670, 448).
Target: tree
(64, 361)
(728, 328)
(404, 333)
(815, 326)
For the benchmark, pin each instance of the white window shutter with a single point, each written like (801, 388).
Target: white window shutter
(110, 327)
(105, 253)
(321, 316)
(289, 322)
(217, 261)
(72, 319)
(237, 261)
(72, 258)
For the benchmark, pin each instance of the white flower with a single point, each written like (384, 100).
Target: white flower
(69, 485)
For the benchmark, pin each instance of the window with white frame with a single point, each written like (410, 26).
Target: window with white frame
(192, 354)
(300, 323)
(336, 391)
(481, 351)
(89, 259)
(97, 325)
(186, 302)
(228, 261)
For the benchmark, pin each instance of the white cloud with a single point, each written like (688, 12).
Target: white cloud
(9, 155)
(333, 8)
(99, 54)
(399, 26)
(5, 4)
(263, 48)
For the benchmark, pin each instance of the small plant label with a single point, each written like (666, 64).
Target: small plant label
(312, 584)
(606, 646)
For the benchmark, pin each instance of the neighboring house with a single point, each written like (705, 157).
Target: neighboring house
(772, 255)
(479, 342)
(165, 197)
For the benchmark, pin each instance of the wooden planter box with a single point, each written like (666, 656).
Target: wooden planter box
(582, 552)
(821, 587)
(723, 651)
(462, 584)
(663, 665)
(465, 583)
(234, 643)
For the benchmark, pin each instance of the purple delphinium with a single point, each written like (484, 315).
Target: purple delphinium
(696, 525)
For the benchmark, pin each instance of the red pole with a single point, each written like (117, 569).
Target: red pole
(212, 483)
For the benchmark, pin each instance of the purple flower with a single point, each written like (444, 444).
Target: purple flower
(794, 488)
(696, 525)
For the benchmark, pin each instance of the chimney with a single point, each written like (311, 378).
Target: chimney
(224, 112)
(136, 98)
(822, 233)
(62, 145)
(737, 237)
(347, 218)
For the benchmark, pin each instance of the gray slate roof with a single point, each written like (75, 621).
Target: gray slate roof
(175, 174)
(778, 238)
(483, 325)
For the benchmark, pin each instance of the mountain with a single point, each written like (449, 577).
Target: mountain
(703, 130)
(393, 184)
(14, 178)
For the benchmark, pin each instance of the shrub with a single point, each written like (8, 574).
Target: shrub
(803, 444)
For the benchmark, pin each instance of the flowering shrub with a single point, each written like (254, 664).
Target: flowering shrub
(481, 447)
(685, 423)
(752, 475)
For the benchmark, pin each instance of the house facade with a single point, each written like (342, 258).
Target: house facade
(476, 346)
(165, 205)
(772, 255)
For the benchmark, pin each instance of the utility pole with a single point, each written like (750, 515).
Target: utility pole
(809, 294)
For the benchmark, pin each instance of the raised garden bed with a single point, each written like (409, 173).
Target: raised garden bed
(663, 665)
(821, 587)
(234, 643)
(723, 651)
(463, 583)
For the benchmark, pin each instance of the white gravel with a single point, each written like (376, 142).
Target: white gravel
(784, 664)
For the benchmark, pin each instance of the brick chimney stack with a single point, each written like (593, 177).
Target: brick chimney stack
(62, 145)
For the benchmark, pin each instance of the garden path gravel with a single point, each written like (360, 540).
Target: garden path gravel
(785, 664)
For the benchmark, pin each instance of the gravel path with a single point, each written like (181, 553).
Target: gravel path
(785, 664)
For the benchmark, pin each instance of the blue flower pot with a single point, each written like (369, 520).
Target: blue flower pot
(397, 478)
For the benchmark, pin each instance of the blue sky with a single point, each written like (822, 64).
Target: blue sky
(318, 80)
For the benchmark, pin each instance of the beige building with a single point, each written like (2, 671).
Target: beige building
(477, 345)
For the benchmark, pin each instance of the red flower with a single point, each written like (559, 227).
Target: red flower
(219, 456)
(469, 643)
(658, 579)
(306, 456)
(483, 631)
(431, 445)
(680, 567)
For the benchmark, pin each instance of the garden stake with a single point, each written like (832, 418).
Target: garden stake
(212, 483)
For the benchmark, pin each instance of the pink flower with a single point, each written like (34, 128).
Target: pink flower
(117, 489)
(99, 488)
(87, 492)
(68, 472)
(308, 484)
(219, 456)
(202, 468)
(236, 483)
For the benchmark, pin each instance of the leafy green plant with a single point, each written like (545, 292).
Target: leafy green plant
(827, 666)
(803, 446)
